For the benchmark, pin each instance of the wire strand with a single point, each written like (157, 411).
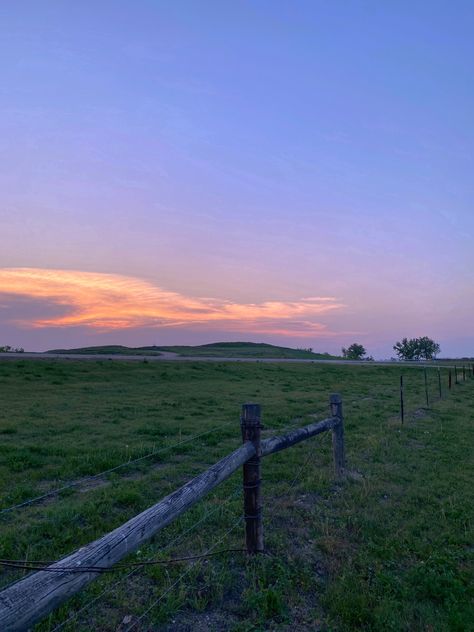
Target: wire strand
(173, 542)
(108, 569)
(163, 594)
(109, 471)
(87, 479)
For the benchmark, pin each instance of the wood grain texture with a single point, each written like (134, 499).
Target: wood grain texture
(30, 599)
(335, 401)
(251, 429)
(275, 444)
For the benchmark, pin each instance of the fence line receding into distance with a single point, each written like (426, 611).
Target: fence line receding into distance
(28, 600)
(465, 372)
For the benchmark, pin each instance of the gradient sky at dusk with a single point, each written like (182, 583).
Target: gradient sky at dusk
(181, 172)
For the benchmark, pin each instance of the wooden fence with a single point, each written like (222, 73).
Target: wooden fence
(29, 600)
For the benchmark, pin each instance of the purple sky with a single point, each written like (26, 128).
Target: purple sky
(186, 172)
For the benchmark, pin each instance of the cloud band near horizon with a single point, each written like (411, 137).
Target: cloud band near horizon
(110, 302)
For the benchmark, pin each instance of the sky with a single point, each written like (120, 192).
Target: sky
(184, 172)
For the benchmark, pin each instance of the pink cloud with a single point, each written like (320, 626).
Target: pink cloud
(108, 302)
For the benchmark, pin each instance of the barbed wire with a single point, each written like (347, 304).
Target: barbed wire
(175, 583)
(46, 566)
(290, 486)
(129, 463)
(137, 565)
(87, 479)
(176, 540)
(290, 423)
(163, 594)
(307, 460)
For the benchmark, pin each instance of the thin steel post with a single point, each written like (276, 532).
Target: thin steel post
(426, 389)
(402, 407)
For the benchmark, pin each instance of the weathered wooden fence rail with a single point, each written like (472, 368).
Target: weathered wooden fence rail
(29, 600)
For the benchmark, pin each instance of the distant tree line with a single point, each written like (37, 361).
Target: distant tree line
(408, 349)
(8, 349)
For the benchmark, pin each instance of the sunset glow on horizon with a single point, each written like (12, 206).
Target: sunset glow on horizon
(297, 175)
(108, 302)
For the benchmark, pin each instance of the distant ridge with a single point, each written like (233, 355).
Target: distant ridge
(214, 349)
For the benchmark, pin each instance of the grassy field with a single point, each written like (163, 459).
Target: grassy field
(390, 548)
(213, 350)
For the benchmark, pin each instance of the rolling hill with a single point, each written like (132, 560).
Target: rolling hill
(215, 349)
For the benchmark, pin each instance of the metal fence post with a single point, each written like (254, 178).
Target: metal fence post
(402, 407)
(250, 422)
(426, 389)
(335, 401)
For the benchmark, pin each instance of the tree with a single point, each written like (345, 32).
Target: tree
(354, 352)
(429, 349)
(406, 349)
(416, 349)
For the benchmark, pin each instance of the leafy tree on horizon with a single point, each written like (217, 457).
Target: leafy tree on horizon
(10, 349)
(416, 348)
(354, 352)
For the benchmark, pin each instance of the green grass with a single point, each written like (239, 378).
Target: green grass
(213, 350)
(390, 548)
(248, 350)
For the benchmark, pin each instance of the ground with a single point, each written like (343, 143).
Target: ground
(387, 548)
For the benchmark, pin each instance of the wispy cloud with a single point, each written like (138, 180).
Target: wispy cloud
(107, 302)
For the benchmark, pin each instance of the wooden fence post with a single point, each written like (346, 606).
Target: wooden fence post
(335, 401)
(463, 373)
(250, 422)
(456, 374)
(450, 380)
(439, 384)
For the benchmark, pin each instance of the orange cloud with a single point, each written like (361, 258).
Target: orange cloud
(109, 302)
